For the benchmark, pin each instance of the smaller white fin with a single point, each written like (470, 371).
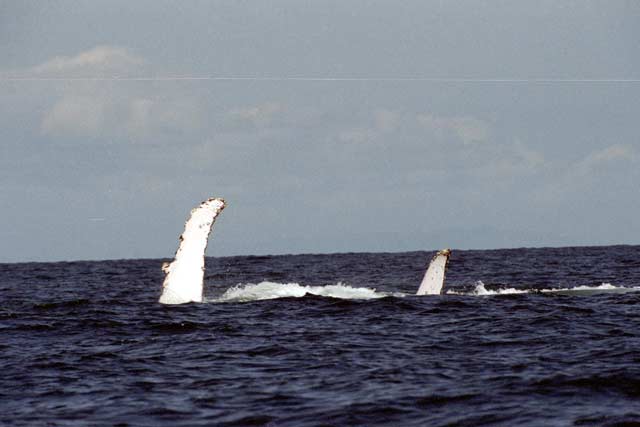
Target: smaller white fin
(433, 281)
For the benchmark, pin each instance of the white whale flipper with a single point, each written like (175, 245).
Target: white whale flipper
(433, 281)
(184, 276)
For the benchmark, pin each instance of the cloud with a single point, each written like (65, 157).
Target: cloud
(433, 157)
(147, 116)
(593, 174)
(94, 112)
(501, 161)
(357, 136)
(75, 116)
(258, 116)
(93, 109)
(419, 129)
(468, 129)
(387, 120)
(602, 158)
(100, 61)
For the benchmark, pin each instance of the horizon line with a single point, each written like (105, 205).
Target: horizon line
(281, 254)
(324, 79)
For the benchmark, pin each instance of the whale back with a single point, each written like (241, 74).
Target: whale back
(433, 281)
(183, 282)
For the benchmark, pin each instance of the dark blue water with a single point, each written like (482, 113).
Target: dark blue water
(86, 343)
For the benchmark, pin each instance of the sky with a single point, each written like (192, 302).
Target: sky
(339, 125)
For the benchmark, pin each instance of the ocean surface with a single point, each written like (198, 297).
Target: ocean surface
(523, 337)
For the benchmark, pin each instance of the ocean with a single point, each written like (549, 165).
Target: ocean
(522, 337)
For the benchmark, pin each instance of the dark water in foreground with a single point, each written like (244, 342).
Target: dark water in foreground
(85, 343)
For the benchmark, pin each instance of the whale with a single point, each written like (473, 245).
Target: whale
(433, 281)
(184, 278)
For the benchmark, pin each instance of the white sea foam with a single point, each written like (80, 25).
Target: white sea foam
(272, 290)
(481, 290)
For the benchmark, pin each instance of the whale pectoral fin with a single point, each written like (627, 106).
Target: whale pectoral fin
(433, 281)
(184, 276)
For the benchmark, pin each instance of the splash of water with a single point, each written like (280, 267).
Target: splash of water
(481, 290)
(272, 290)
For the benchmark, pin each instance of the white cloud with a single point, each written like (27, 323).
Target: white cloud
(141, 115)
(96, 113)
(601, 158)
(468, 129)
(76, 116)
(262, 115)
(99, 109)
(386, 120)
(357, 136)
(510, 160)
(529, 158)
(424, 128)
(148, 116)
(589, 174)
(100, 61)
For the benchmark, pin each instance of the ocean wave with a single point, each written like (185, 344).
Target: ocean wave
(481, 290)
(273, 290)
